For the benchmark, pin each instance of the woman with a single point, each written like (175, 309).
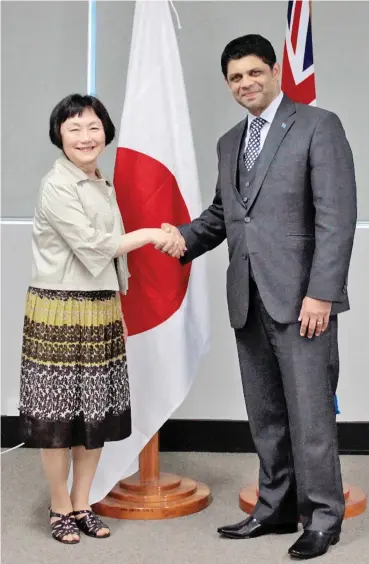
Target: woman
(74, 384)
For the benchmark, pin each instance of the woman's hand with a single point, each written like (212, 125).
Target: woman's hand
(169, 243)
(178, 237)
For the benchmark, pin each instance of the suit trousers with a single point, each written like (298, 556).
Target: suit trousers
(289, 384)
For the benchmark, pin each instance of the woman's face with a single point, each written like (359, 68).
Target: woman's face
(83, 138)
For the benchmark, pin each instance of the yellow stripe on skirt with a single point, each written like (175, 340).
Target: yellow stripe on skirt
(74, 381)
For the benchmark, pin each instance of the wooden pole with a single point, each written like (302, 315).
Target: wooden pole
(149, 461)
(151, 494)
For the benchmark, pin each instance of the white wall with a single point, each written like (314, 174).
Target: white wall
(217, 392)
(44, 57)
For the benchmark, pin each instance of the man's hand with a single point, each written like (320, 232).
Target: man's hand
(166, 241)
(176, 248)
(314, 316)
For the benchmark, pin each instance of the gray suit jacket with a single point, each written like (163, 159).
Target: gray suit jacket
(297, 227)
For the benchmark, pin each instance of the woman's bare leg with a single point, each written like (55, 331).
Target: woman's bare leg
(84, 468)
(55, 462)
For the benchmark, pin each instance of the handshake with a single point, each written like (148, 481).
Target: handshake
(169, 240)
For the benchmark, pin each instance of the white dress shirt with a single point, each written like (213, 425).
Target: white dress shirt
(268, 114)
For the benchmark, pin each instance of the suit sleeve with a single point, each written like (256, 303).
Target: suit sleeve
(334, 195)
(207, 231)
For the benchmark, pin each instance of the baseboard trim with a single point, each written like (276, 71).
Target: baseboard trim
(184, 435)
(235, 436)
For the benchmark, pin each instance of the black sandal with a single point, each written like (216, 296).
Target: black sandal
(91, 524)
(66, 525)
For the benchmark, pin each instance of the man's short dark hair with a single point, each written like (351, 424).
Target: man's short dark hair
(73, 105)
(245, 46)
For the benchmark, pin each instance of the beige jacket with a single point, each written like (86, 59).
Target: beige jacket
(77, 230)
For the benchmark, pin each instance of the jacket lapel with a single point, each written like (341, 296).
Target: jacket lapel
(236, 142)
(239, 136)
(281, 124)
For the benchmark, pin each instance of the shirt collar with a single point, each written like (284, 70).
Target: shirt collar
(269, 113)
(78, 174)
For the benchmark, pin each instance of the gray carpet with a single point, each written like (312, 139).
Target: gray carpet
(185, 540)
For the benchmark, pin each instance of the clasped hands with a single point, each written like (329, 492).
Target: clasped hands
(169, 240)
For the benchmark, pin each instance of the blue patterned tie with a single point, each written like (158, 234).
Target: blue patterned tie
(253, 146)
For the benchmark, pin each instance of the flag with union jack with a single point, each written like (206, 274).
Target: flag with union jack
(298, 78)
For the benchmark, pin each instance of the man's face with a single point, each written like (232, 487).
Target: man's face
(253, 83)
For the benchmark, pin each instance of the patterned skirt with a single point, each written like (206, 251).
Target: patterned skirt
(74, 382)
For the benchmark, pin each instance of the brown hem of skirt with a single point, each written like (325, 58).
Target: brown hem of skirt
(43, 433)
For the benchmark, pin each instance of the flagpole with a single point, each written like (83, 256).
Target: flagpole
(150, 494)
(149, 461)
(91, 48)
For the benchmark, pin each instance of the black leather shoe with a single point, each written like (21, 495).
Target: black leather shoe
(251, 528)
(312, 544)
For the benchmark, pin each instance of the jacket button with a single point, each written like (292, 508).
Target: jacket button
(245, 200)
(247, 219)
(245, 256)
(247, 184)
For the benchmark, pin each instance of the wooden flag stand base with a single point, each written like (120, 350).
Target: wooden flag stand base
(150, 494)
(355, 499)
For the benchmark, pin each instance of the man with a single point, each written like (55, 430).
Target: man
(286, 202)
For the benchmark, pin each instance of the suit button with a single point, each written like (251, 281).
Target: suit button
(245, 256)
(245, 200)
(247, 219)
(247, 184)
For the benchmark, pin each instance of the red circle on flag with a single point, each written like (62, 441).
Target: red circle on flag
(148, 195)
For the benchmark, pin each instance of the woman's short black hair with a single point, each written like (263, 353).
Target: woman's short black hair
(246, 45)
(73, 105)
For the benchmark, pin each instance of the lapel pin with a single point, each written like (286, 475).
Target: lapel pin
(283, 125)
